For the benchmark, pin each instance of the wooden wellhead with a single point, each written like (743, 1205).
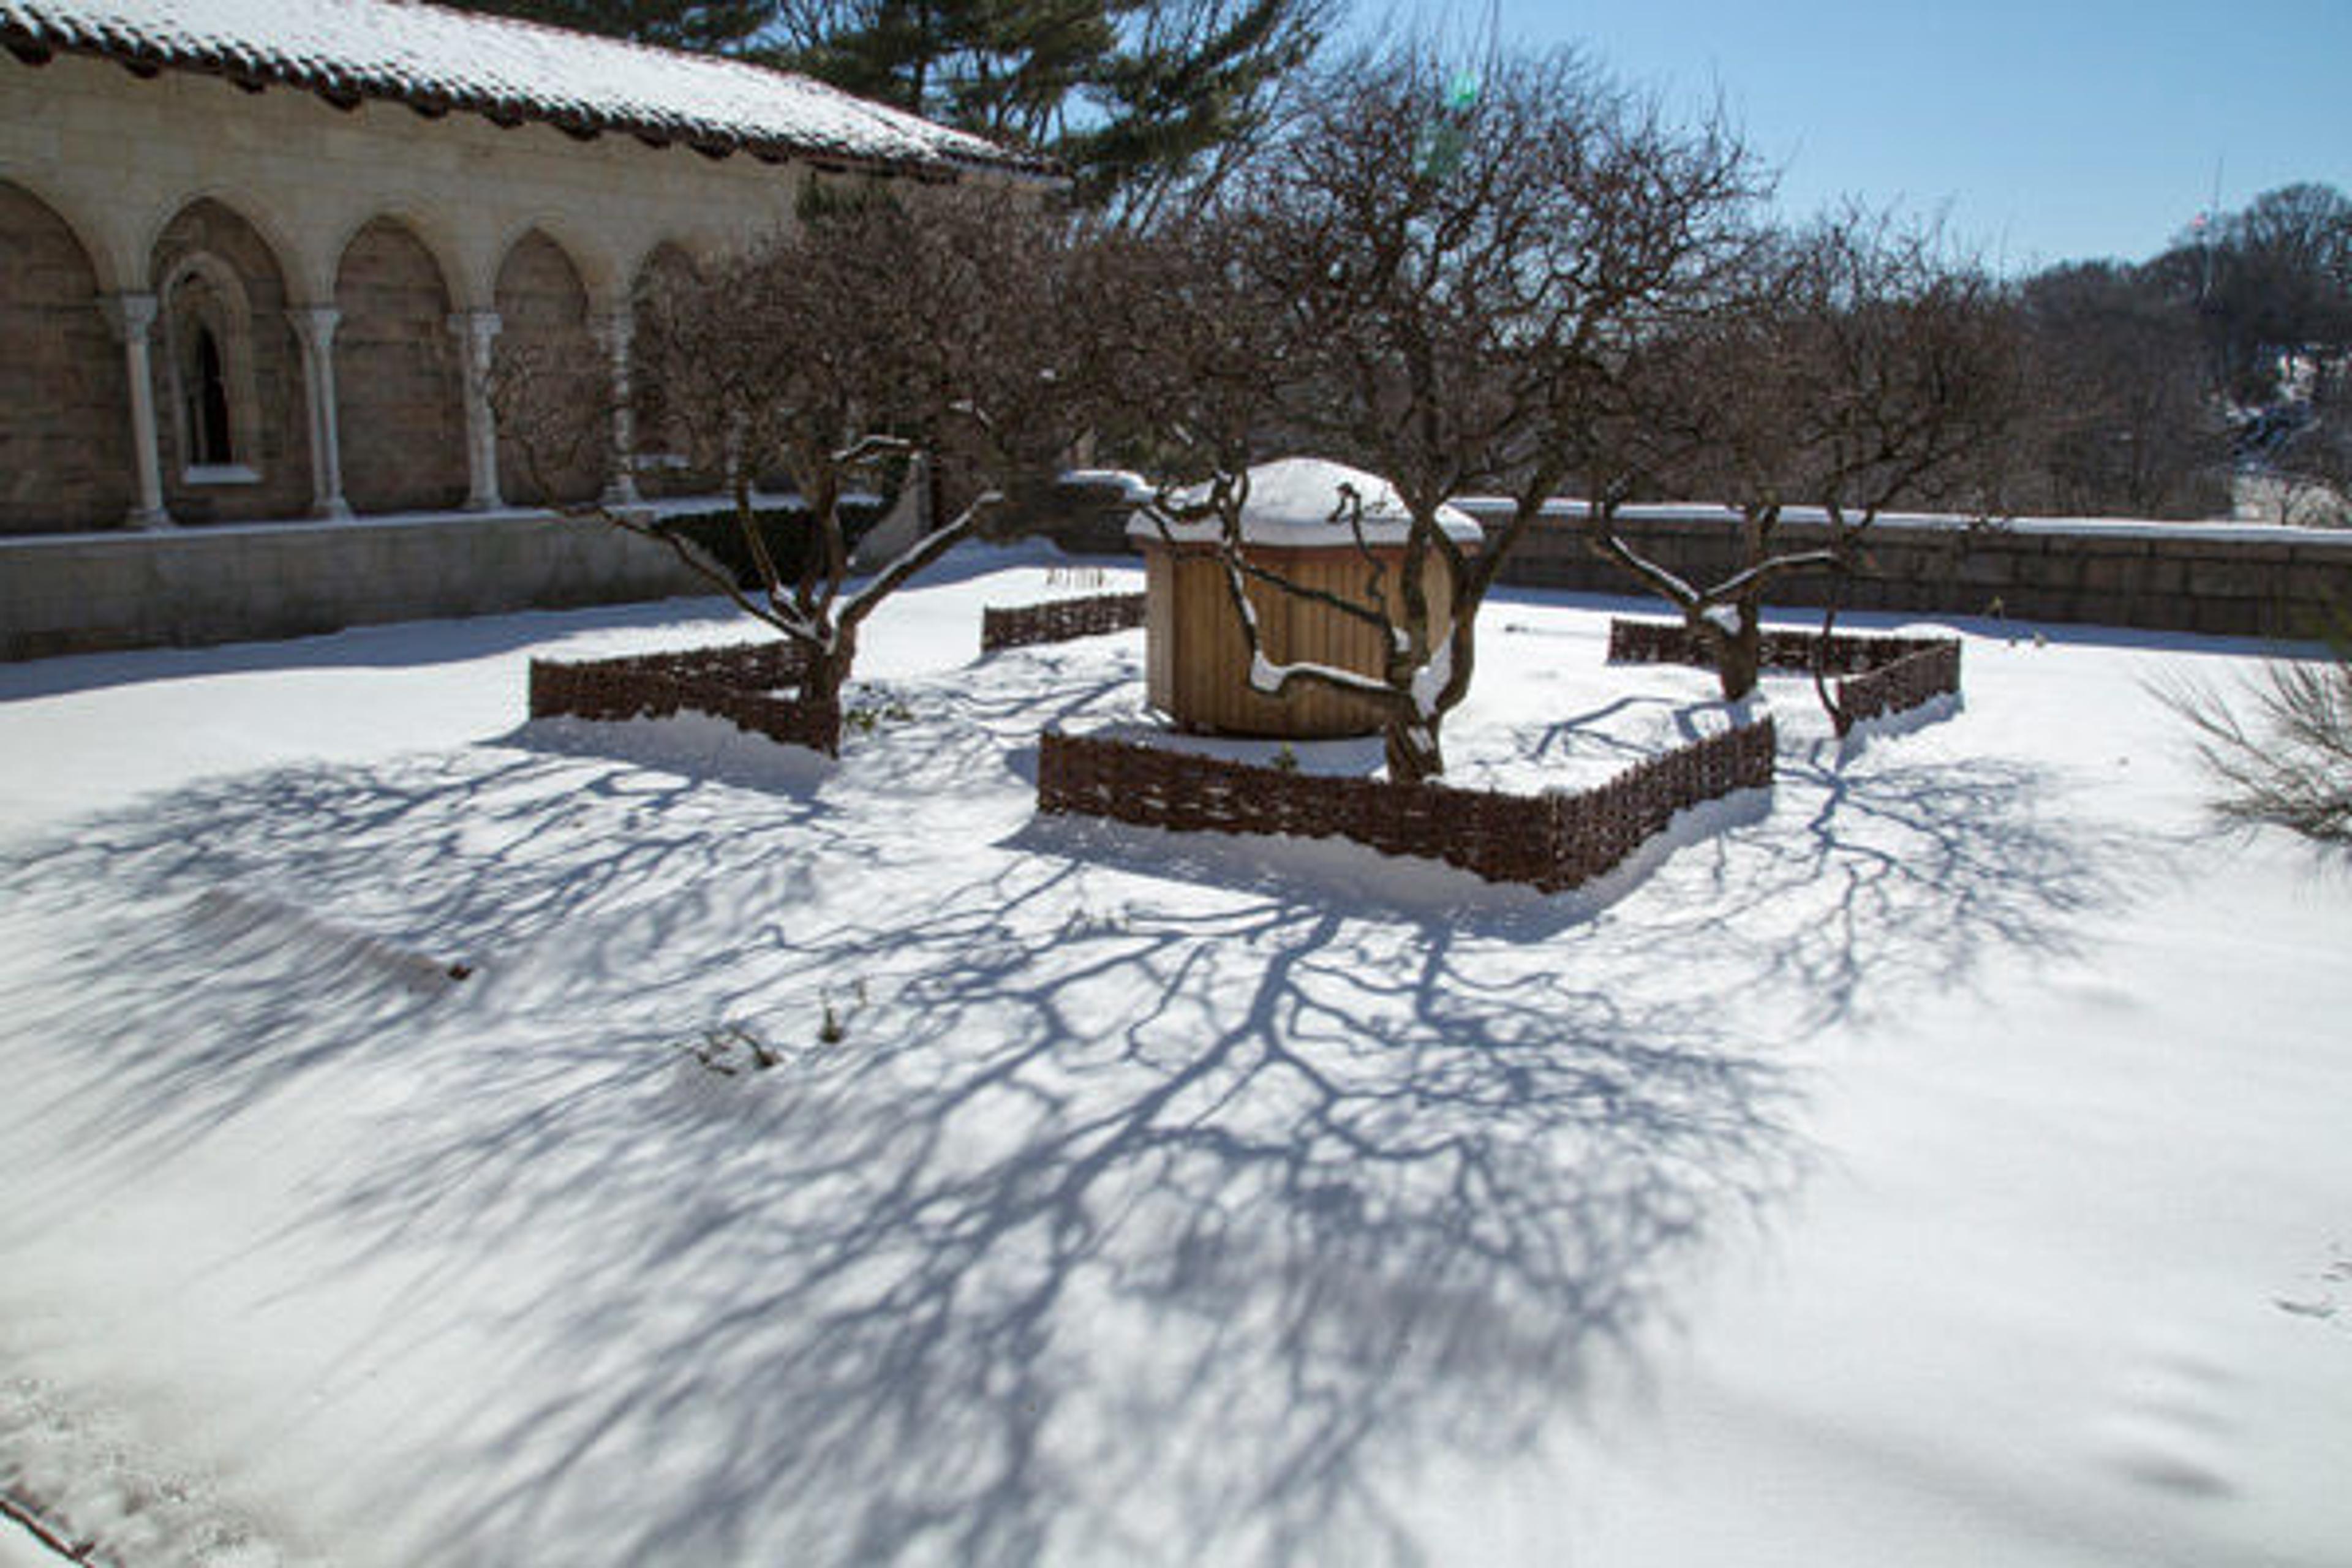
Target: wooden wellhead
(1197, 655)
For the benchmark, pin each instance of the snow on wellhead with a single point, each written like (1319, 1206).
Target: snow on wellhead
(1943, 1161)
(1299, 502)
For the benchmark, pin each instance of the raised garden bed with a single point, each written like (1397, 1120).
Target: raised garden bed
(1058, 620)
(1879, 675)
(1548, 841)
(744, 683)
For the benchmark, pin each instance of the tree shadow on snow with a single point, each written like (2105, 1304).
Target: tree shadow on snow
(1160, 1233)
(1131, 1217)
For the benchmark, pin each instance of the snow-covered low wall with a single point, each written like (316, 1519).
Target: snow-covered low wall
(84, 592)
(2231, 579)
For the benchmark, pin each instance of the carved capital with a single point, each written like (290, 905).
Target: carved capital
(315, 325)
(132, 317)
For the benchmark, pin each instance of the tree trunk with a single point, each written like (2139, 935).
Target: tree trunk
(1738, 654)
(1415, 756)
(827, 671)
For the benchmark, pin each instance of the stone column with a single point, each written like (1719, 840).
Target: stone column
(613, 330)
(132, 317)
(314, 328)
(476, 330)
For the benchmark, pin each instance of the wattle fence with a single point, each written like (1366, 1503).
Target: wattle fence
(740, 683)
(1058, 620)
(1882, 675)
(1671, 642)
(1908, 682)
(1548, 841)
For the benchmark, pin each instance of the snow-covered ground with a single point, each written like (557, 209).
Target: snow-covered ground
(1944, 1162)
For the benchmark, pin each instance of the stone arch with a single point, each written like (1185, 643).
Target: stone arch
(218, 281)
(425, 223)
(248, 211)
(65, 420)
(666, 455)
(213, 407)
(554, 429)
(582, 249)
(399, 398)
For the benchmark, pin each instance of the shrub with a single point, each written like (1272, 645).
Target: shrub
(787, 530)
(2282, 751)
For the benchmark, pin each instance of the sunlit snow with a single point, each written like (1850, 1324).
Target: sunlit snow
(1940, 1160)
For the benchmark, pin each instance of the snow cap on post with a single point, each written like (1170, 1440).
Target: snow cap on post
(1295, 503)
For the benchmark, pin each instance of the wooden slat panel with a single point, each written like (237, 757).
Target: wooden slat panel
(1198, 658)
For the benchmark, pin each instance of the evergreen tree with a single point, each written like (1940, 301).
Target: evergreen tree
(1135, 97)
(1192, 80)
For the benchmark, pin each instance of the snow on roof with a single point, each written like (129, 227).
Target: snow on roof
(436, 60)
(1295, 502)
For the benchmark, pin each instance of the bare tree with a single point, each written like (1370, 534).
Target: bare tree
(1433, 276)
(870, 332)
(2312, 469)
(2275, 284)
(1850, 368)
(2120, 420)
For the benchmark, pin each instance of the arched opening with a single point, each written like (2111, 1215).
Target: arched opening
(229, 391)
(65, 404)
(399, 398)
(667, 460)
(550, 379)
(207, 334)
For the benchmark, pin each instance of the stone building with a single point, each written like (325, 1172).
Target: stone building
(256, 256)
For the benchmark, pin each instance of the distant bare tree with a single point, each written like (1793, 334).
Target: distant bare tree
(2121, 421)
(1430, 277)
(1849, 367)
(2276, 279)
(2313, 467)
(871, 331)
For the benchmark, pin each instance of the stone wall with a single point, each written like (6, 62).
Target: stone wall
(2224, 579)
(2227, 579)
(65, 446)
(69, 593)
(102, 173)
(397, 393)
(552, 408)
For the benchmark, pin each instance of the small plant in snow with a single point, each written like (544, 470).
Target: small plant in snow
(1286, 760)
(731, 1049)
(868, 717)
(833, 1027)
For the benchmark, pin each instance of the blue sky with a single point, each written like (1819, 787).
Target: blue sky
(2046, 131)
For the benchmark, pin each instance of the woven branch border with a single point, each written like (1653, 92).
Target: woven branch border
(1883, 675)
(1670, 642)
(1908, 682)
(1548, 841)
(738, 683)
(1058, 620)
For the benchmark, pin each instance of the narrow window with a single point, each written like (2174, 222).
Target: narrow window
(208, 423)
